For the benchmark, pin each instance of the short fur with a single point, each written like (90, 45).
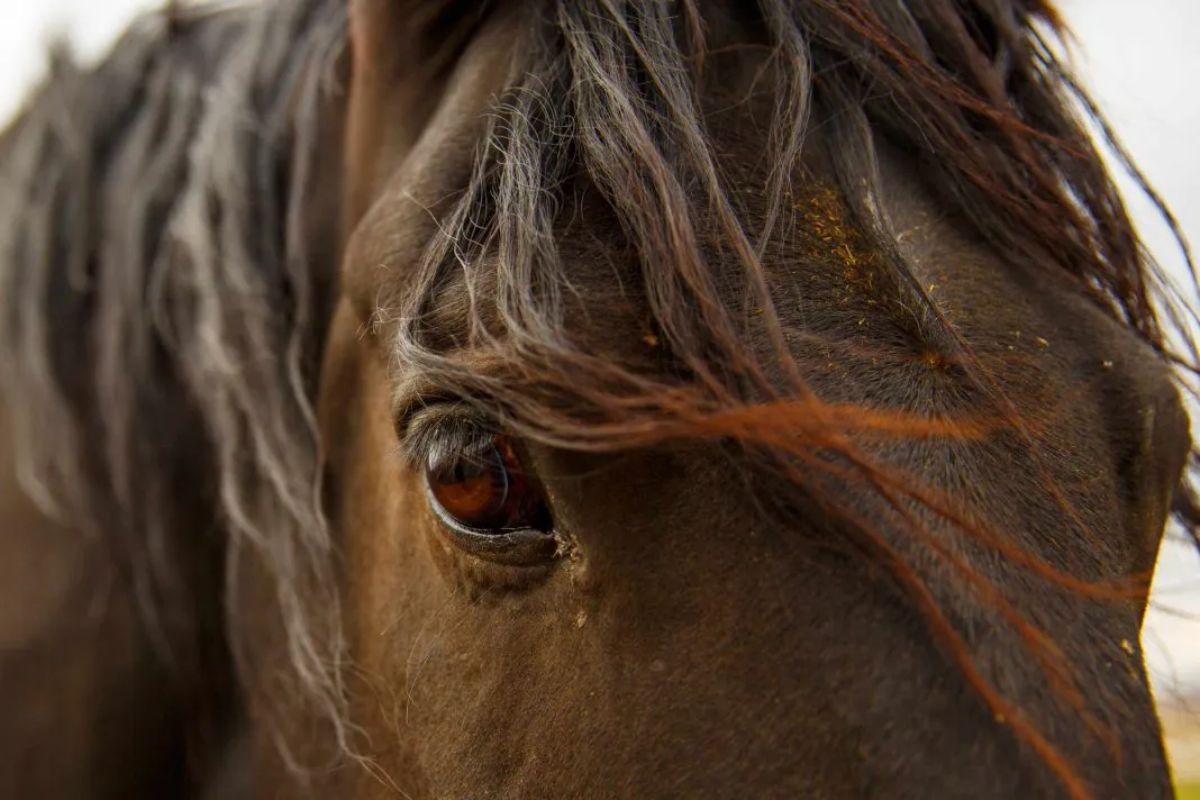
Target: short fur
(167, 284)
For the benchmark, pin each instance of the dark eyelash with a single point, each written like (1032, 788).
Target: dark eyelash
(442, 432)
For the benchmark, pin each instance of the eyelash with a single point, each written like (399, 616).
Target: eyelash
(438, 431)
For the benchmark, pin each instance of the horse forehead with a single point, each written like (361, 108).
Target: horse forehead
(413, 153)
(829, 282)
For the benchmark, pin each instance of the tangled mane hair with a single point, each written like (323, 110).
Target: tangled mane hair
(163, 314)
(163, 306)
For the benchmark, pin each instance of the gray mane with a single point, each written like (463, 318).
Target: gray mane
(159, 299)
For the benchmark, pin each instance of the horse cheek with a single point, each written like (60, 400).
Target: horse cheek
(376, 506)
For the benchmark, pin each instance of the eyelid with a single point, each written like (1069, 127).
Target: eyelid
(444, 427)
(414, 401)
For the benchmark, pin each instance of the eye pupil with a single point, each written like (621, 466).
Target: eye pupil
(472, 470)
(486, 490)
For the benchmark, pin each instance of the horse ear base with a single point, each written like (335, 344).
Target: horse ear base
(986, 32)
(993, 40)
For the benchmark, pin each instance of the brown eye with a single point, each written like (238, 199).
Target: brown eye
(486, 490)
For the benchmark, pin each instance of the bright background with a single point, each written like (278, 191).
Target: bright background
(1140, 60)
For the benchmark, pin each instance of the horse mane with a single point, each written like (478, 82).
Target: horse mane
(157, 289)
(163, 312)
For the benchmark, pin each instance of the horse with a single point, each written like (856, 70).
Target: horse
(580, 398)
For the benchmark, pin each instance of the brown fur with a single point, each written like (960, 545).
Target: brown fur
(822, 328)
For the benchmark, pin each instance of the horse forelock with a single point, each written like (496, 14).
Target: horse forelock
(156, 287)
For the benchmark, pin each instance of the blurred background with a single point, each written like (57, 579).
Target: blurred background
(1138, 59)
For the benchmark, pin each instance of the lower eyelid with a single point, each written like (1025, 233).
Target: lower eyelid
(517, 547)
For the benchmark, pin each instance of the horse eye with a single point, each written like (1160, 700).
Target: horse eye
(486, 490)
